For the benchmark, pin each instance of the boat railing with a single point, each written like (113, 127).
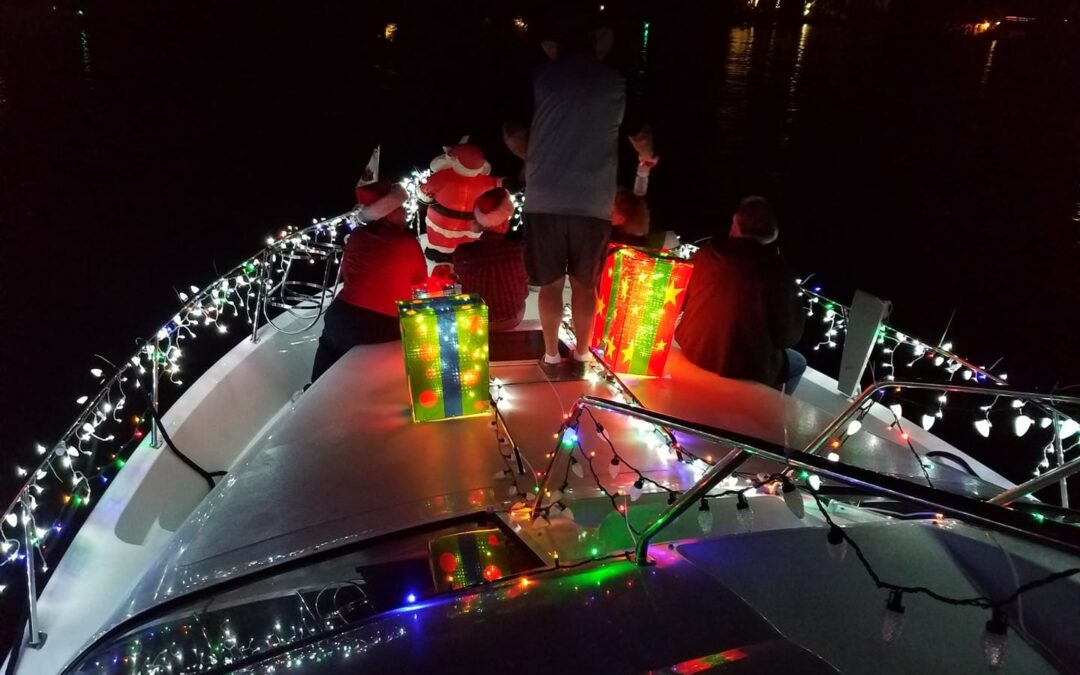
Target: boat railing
(295, 274)
(896, 355)
(849, 423)
(923, 361)
(809, 463)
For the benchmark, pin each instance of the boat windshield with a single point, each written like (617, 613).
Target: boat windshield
(255, 616)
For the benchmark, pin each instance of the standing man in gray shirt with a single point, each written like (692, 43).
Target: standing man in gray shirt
(571, 158)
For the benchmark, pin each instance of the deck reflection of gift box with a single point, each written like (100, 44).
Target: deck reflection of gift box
(641, 295)
(446, 355)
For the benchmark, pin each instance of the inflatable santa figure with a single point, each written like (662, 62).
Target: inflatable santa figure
(457, 180)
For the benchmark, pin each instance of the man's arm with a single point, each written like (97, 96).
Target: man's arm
(516, 136)
(642, 140)
(517, 105)
(636, 127)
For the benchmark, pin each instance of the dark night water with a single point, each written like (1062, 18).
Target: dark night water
(143, 149)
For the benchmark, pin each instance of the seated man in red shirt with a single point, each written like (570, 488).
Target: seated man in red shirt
(742, 313)
(381, 262)
(494, 266)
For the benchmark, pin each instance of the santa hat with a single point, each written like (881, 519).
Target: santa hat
(464, 158)
(493, 210)
(379, 199)
(371, 171)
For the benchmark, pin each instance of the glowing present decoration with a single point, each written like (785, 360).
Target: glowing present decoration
(641, 294)
(446, 355)
(472, 558)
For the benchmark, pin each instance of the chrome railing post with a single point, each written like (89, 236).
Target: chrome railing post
(1056, 475)
(155, 440)
(260, 294)
(716, 473)
(36, 637)
(1059, 451)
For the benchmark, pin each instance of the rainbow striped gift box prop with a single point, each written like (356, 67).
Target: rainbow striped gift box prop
(641, 294)
(445, 340)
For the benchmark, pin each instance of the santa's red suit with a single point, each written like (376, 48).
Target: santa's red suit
(458, 179)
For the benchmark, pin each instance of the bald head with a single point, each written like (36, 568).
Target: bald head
(754, 219)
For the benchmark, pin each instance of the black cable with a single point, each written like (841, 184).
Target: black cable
(978, 601)
(602, 433)
(208, 476)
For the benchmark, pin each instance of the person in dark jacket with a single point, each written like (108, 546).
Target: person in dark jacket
(742, 315)
(381, 263)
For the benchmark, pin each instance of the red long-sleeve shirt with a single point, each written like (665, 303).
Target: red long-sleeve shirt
(380, 265)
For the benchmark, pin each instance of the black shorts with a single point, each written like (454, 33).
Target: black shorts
(557, 245)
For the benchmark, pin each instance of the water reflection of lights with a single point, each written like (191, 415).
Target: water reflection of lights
(793, 83)
(989, 64)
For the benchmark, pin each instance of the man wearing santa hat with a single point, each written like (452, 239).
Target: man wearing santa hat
(381, 263)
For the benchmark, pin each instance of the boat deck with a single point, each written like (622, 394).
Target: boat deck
(347, 462)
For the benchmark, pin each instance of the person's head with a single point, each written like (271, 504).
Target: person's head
(382, 201)
(630, 213)
(571, 28)
(754, 219)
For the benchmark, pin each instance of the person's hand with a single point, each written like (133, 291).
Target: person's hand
(643, 144)
(358, 213)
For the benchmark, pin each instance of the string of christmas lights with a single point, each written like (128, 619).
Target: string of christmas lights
(994, 638)
(838, 539)
(946, 363)
(88, 455)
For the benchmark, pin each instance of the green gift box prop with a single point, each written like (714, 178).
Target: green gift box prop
(446, 355)
(641, 294)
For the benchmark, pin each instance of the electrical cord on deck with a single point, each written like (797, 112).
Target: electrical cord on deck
(208, 476)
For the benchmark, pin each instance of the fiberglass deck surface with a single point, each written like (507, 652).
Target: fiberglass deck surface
(348, 462)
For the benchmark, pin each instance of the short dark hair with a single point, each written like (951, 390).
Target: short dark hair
(756, 218)
(569, 23)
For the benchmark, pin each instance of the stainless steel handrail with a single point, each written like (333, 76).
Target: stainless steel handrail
(1056, 475)
(971, 510)
(860, 401)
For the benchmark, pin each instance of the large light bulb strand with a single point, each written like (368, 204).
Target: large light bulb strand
(892, 620)
(743, 513)
(995, 639)
(793, 498)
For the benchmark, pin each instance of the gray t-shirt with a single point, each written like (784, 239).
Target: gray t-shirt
(573, 156)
